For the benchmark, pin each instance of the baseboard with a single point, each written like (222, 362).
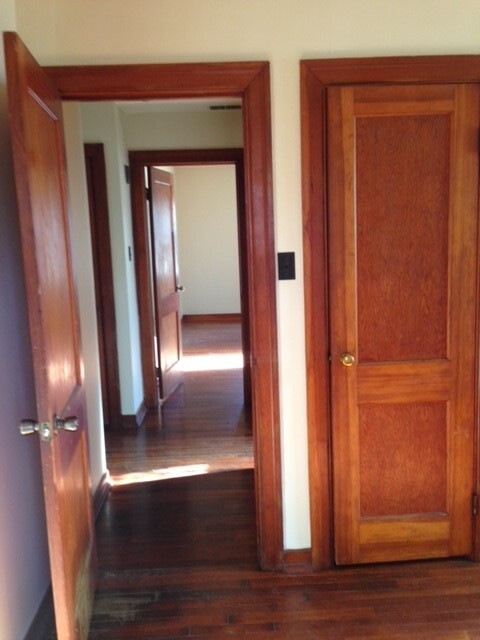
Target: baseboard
(136, 419)
(43, 624)
(297, 561)
(212, 317)
(101, 494)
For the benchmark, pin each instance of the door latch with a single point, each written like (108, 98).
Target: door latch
(47, 430)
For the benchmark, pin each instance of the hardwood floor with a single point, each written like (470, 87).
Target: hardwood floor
(177, 559)
(205, 427)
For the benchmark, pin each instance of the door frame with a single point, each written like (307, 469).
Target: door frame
(180, 157)
(249, 81)
(103, 275)
(315, 78)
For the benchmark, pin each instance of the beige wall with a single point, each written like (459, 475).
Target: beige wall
(283, 32)
(183, 130)
(206, 206)
(83, 268)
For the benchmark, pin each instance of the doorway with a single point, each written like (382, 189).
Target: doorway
(249, 82)
(139, 161)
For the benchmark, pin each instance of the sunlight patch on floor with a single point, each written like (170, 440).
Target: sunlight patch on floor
(137, 477)
(212, 362)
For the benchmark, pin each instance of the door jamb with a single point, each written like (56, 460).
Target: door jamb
(249, 81)
(178, 157)
(103, 276)
(316, 77)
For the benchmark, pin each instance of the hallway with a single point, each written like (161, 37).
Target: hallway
(205, 427)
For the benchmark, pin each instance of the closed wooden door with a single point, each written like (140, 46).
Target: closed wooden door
(165, 281)
(40, 176)
(402, 201)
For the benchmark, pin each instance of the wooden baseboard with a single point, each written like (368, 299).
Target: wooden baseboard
(212, 317)
(136, 419)
(101, 494)
(297, 561)
(43, 624)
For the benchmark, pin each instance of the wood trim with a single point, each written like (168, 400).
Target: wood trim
(103, 271)
(154, 81)
(297, 561)
(316, 77)
(43, 624)
(263, 318)
(316, 316)
(177, 157)
(136, 419)
(251, 82)
(212, 317)
(100, 495)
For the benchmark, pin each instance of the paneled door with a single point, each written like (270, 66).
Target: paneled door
(402, 206)
(166, 288)
(35, 112)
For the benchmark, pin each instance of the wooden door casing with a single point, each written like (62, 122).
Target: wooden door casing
(138, 160)
(104, 292)
(165, 280)
(249, 81)
(317, 78)
(40, 176)
(403, 188)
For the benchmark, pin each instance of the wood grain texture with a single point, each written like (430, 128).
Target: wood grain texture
(251, 82)
(396, 229)
(317, 76)
(203, 427)
(40, 173)
(178, 559)
(103, 272)
(163, 241)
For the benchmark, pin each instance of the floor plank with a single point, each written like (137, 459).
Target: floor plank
(177, 558)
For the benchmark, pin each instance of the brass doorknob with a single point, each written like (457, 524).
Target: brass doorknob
(347, 359)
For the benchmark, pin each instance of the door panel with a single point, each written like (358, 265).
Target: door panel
(403, 186)
(38, 152)
(165, 278)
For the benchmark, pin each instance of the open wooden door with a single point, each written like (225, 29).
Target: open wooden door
(403, 206)
(38, 151)
(166, 288)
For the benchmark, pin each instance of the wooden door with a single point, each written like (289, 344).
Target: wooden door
(38, 151)
(165, 280)
(403, 189)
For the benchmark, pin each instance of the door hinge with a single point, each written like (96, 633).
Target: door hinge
(148, 194)
(475, 504)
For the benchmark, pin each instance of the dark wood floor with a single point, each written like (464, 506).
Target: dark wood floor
(204, 425)
(177, 559)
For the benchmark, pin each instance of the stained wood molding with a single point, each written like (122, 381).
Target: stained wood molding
(212, 317)
(101, 494)
(249, 81)
(136, 419)
(297, 561)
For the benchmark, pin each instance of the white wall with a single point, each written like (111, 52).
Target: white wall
(283, 32)
(207, 239)
(102, 123)
(83, 269)
(183, 130)
(24, 568)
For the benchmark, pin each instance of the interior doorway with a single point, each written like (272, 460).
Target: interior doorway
(143, 227)
(249, 81)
